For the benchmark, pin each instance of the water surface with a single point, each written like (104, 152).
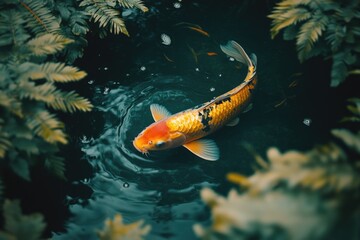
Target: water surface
(126, 75)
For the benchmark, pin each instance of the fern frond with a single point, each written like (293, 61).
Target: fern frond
(101, 12)
(57, 72)
(309, 34)
(43, 92)
(11, 28)
(5, 143)
(40, 18)
(56, 165)
(335, 35)
(54, 98)
(70, 102)
(133, 3)
(11, 103)
(47, 126)
(293, 3)
(286, 17)
(47, 44)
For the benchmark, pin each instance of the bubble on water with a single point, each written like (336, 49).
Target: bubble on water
(232, 59)
(177, 5)
(91, 81)
(197, 69)
(126, 185)
(128, 75)
(212, 89)
(106, 68)
(84, 139)
(143, 68)
(106, 90)
(220, 75)
(307, 121)
(166, 40)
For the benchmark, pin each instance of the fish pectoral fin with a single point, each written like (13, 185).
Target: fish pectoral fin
(204, 148)
(248, 108)
(159, 112)
(233, 122)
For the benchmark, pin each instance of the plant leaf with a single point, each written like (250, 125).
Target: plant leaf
(133, 3)
(56, 165)
(105, 15)
(20, 166)
(47, 44)
(283, 18)
(29, 227)
(309, 34)
(11, 28)
(39, 18)
(57, 72)
(47, 126)
(339, 69)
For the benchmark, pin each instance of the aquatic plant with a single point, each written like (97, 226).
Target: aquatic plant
(30, 87)
(354, 109)
(106, 13)
(327, 28)
(116, 229)
(316, 185)
(18, 226)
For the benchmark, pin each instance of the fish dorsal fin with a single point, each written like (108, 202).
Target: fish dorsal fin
(204, 148)
(159, 112)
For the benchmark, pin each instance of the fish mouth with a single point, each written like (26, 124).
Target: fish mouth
(140, 149)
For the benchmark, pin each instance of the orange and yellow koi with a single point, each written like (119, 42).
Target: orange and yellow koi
(211, 54)
(199, 30)
(187, 128)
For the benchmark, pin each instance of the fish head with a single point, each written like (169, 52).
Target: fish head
(158, 136)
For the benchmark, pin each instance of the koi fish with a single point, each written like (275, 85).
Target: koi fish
(199, 30)
(211, 53)
(187, 128)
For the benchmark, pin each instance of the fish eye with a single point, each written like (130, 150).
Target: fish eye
(160, 143)
(150, 142)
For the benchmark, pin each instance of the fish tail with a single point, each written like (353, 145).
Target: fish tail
(233, 49)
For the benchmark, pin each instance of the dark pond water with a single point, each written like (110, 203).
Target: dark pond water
(126, 75)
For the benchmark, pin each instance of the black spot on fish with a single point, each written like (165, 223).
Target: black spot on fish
(225, 99)
(205, 118)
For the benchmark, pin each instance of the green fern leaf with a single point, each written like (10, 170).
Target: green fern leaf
(133, 3)
(43, 92)
(56, 165)
(11, 103)
(27, 145)
(69, 102)
(78, 23)
(286, 17)
(39, 17)
(47, 126)
(293, 3)
(5, 143)
(339, 69)
(335, 35)
(11, 29)
(309, 34)
(57, 72)
(19, 226)
(19, 165)
(106, 16)
(47, 44)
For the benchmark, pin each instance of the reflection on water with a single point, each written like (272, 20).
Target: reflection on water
(164, 188)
